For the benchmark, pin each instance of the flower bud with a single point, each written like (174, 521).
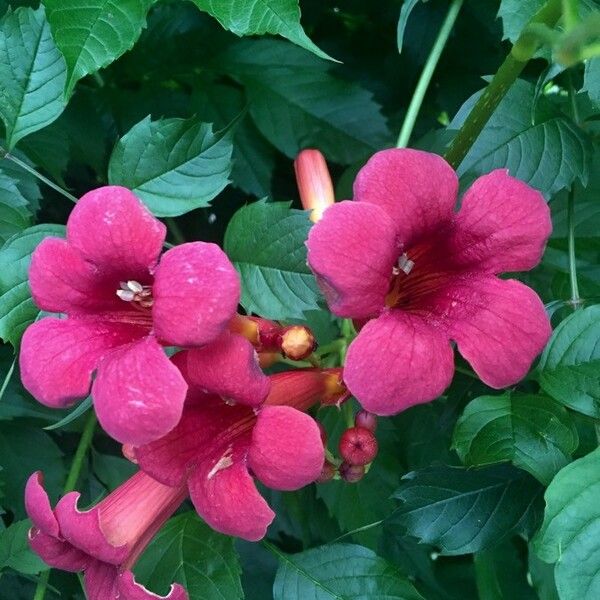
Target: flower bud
(266, 359)
(358, 446)
(336, 392)
(314, 183)
(366, 420)
(297, 342)
(351, 473)
(327, 473)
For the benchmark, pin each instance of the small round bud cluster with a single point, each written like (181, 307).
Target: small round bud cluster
(366, 420)
(358, 446)
(351, 473)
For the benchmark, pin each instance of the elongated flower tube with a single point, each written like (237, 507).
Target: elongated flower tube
(421, 276)
(217, 449)
(123, 303)
(314, 183)
(105, 541)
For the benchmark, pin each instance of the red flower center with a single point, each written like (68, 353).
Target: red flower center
(138, 295)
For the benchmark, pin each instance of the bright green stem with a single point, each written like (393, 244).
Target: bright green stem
(7, 379)
(75, 471)
(570, 13)
(575, 300)
(509, 70)
(5, 154)
(427, 74)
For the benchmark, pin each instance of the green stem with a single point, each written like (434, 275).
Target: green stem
(7, 378)
(427, 74)
(509, 70)
(74, 473)
(5, 154)
(575, 299)
(570, 13)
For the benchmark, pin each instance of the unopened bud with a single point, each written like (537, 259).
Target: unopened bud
(266, 359)
(351, 473)
(327, 472)
(297, 342)
(336, 391)
(128, 451)
(314, 183)
(366, 420)
(358, 446)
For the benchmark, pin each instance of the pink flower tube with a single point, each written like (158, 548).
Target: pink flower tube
(422, 275)
(123, 303)
(105, 541)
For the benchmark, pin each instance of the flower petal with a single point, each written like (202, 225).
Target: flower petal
(228, 367)
(57, 553)
(138, 393)
(398, 360)
(62, 281)
(111, 228)
(101, 581)
(196, 293)
(287, 451)
(129, 589)
(82, 529)
(227, 499)
(352, 250)
(37, 505)
(417, 189)
(58, 356)
(503, 224)
(500, 327)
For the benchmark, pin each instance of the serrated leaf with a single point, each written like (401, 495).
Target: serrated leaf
(265, 242)
(14, 214)
(407, 8)
(570, 533)
(257, 17)
(173, 165)
(569, 369)
(93, 33)
(17, 309)
(23, 450)
(591, 80)
(188, 551)
(33, 74)
(535, 433)
(466, 510)
(531, 139)
(297, 103)
(340, 572)
(15, 552)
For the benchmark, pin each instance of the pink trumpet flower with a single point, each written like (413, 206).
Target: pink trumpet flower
(123, 304)
(105, 541)
(218, 448)
(422, 275)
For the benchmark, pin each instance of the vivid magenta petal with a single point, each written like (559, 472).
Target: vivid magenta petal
(100, 581)
(500, 327)
(57, 553)
(58, 356)
(398, 360)
(227, 499)
(111, 228)
(196, 293)
(62, 281)
(129, 589)
(37, 505)
(138, 393)
(352, 250)
(417, 189)
(287, 451)
(503, 225)
(228, 367)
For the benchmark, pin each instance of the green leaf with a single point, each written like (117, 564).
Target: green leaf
(33, 74)
(111, 470)
(340, 572)
(464, 510)
(570, 533)
(23, 450)
(296, 103)
(17, 309)
(93, 33)
(174, 165)
(535, 433)
(265, 242)
(407, 8)
(591, 80)
(188, 551)
(15, 552)
(569, 369)
(257, 17)
(14, 214)
(73, 415)
(531, 139)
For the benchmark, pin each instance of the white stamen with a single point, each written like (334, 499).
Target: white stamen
(123, 285)
(126, 295)
(223, 463)
(405, 264)
(135, 286)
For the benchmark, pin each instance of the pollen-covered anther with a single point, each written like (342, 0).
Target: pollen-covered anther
(135, 292)
(223, 463)
(404, 264)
